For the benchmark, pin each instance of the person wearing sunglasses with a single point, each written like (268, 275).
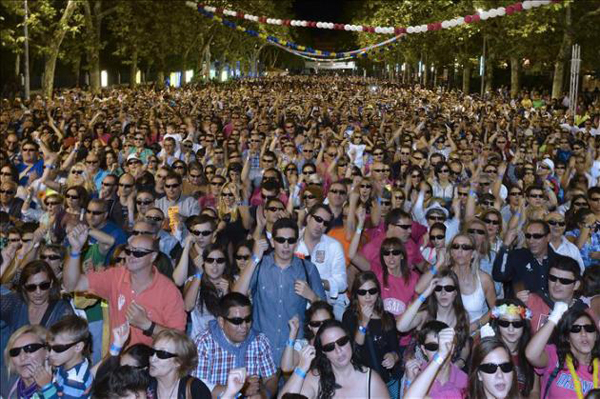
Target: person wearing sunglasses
(202, 232)
(9, 202)
(182, 206)
(332, 369)
(293, 283)
(373, 330)
(511, 323)
(31, 164)
(327, 254)
(135, 292)
(174, 358)
(450, 381)
(558, 242)
(570, 366)
(230, 340)
(25, 347)
(54, 256)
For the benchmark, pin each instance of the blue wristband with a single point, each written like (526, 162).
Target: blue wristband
(438, 359)
(300, 373)
(362, 330)
(433, 270)
(198, 275)
(290, 343)
(74, 255)
(115, 348)
(422, 298)
(255, 259)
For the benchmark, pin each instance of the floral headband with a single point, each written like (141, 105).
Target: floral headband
(513, 310)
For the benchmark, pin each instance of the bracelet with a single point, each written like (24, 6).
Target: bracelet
(433, 270)
(198, 275)
(438, 359)
(362, 330)
(407, 383)
(299, 373)
(472, 193)
(290, 343)
(115, 350)
(422, 298)
(255, 259)
(74, 255)
(358, 231)
(517, 214)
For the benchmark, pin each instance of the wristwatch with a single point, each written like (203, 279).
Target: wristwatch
(150, 330)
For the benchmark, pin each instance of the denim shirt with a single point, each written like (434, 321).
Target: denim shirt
(591, 245)
(275, 302)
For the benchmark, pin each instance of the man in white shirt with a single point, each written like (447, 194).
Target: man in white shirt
(327, 254)
(559, 242)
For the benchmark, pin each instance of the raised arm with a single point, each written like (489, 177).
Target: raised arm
(242, 285)
(73, 279)
(535, 350)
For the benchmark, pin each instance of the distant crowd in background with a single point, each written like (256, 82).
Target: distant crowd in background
(299, 237)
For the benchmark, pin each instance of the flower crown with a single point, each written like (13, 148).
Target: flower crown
(511, 309)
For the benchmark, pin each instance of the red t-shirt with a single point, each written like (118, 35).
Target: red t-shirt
(539, 312)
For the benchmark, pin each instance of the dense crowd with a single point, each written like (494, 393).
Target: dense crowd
(319, 237)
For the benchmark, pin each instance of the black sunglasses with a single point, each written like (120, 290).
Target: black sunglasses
(282, 240)
(50, 257)
(147, 202)
(316, 324)
(476, 231)
(242, 257)
(371, 291)
(239, 320)
(31, 348)
(45, 286)
(588, 328)
(464, 247)
(436, 218)
(515, 324)
(490, 368)
(197, 233)
(556, 222)
(490, 221)
(437, 237)
(563, 281)
(163, 354)
(136, 253)
(431, 346)
(322, 221)
(220, 261)
(536, 236)
(340, 342)
(388, 252)
(274, 209)
(404, 226)
(62, 348)
(447, 288)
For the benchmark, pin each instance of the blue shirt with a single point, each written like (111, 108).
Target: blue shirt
(275, 301)
(38, 168)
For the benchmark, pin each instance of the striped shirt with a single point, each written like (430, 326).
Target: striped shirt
(73, 383)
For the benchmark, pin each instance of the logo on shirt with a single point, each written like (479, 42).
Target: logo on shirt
(394, 306)
(528, 267)
(121, 301)
(565, 381)
(320, 256)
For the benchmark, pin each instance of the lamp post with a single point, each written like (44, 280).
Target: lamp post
(482, 67)
(26, 46)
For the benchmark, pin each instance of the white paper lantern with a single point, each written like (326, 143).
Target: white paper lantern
(527, 5)
(304, 23)
(410, 29)
(484, 15)
(501, 11)
(346, 27)
(460, 21)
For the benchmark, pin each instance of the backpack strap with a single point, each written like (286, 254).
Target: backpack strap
(550, 380)
(305, 271)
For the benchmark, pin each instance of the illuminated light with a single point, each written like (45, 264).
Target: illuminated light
(404, 67)
(138, 77)
(212, 73)
(189, 75)
(224, 76)
(104, 78)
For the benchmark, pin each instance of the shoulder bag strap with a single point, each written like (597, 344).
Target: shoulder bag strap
(550, 380)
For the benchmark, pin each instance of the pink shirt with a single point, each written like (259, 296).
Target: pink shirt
(453, 388)
(162, 300)
(562, 387)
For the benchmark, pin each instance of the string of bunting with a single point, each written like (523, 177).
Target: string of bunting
(388, 30)
(296, 48)
(354, 56)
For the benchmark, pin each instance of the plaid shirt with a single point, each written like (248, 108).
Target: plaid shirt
(214, 362)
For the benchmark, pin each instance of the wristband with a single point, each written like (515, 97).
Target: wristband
(299, 373)
(198, 275)
(438, 359)
(362, 330)
(115, 350)
(255, 259)
(517, 214)
(422, 298)
(359, 231)
(407, 383)
(472, 193)
(290, 343)
(433, 270)
(74, 255)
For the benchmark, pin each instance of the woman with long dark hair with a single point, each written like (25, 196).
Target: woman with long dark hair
(203, 290)
(571, 367)
(373, 330)
(510, 321)
(331, 369)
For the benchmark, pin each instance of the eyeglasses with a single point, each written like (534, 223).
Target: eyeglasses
(320, 220)
(339, 192)
(464, 247)
(437, 237)
(95, 213)
(144, 202)
(242, 257)
(239, 320)
(436, 218)
(370, 291)
(576, 328)
(220, 261)
(535, 236)
(476, 231)
(490, 368)
(50, 257)
(556, 223)
(163, 354)
(205, 233)
(31, 348)
(127, 185)
(78, 172)
(492, 221)
(536, 195)
(340, 343)
(154, 218)
(388, 252)
(404, 226)
(174, 185)
(45, 286)
(7, 192)
(515, 324)
(137, 253)
(563, 281)
(447, 288)
(62, 348)
(282, 240)
(140, 232)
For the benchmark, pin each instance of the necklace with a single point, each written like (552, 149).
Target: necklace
(170, 396)
(575, 377)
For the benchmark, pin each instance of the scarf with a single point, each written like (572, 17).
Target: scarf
(239, 352)
(24, 392)
(575, 377)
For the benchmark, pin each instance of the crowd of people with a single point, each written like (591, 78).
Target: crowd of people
(299, 237)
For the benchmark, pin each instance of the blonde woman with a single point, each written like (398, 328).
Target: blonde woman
(234, 218)
(77, 176)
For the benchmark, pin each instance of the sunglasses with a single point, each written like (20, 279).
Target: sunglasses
(50, 257)
(197, 233)
(73, 197)
(436, 218)
(316, 323)
(476, 231)
(556, 223)
(282, 240)
(580, 203)
(515, 324)
(388, 252)
(45, 286)
(163, 354)
(239, 320)
(535, 236)
(31, 348)
(431, 346)
(447, 288)
(144, 233)
(491, 221)
(229, 195)
(464, 247)
(176, 185)
(437, 237)
(563, 281)
(62, 348)
(242, 257)
(219, 261)
(490, 368)
(340, 343)
(320, 220)
(274, 209)
(9, 192)
(52, 203)
(309, 197)
(516, 193)
(340, 192)
(576, 328)
(77, 172)
(154, 218)
(371, 291)
(95, 213)
(91, 162)
(136, 253)
(365, 186)
(536, 195)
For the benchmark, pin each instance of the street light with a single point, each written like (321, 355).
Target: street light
(26, 48)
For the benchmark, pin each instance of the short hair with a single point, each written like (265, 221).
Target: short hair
(173, 175)
(100, 202)
(285, 223)
(439, 226)
(231, 300)
(36, 330)
(318, 206)
(430, 327)
(542, 223)
(593, 190)
(141, 353)
(120, 382)
(200, 219)
(533, 187)
(395, 215)
(187, 354)
(77, 328)
(567, 264)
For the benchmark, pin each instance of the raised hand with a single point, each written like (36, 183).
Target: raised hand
(121, 334)
(138, 317)
(235, 382)
(260, 246)
(294, 325)
(432, 284)
(78, 237)
(446, 341)
(307, 354)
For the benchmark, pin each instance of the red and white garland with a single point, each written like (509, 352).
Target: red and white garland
(389, 30)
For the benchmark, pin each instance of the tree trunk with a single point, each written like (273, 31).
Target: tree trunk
(515, 76)
(489, 73)
(133, 69)
(77, 71)
(17, 64)
(54, 48)
(563, 54)
(466, 83)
